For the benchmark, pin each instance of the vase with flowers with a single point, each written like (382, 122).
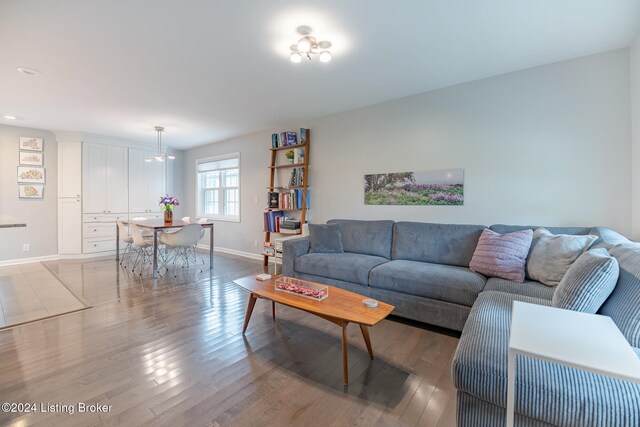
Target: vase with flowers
(167, 204)
(290, 155)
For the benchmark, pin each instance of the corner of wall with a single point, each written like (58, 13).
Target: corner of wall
(635, 136)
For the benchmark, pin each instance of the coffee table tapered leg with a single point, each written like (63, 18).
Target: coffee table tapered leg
(367, 339)
(247, 316)
(273, 310)
(345, 364)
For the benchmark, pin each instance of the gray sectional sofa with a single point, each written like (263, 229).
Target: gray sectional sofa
(423, 269)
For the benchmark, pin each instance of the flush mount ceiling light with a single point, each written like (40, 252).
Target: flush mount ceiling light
(160, 155)
(307, 46)
(28, 71)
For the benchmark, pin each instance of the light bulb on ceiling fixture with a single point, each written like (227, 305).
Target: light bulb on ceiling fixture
(295, 57)
(171, 157)
(159, 158)
(304, 44)
(148, 159)
(325, 56)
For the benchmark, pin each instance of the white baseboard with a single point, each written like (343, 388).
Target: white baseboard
(28, 260)
(231, 252)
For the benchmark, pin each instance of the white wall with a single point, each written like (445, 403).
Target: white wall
(549, 145)
(40, 215)
(635, 123)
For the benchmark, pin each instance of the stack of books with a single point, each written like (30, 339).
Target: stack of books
(291, 199)
(285, 139)
(289, 226)
(272, 220)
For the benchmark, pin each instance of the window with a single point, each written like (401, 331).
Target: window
(218, 181)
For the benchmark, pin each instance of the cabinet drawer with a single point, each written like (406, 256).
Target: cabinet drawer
(104, 217)
(98, 229)
(93, 245)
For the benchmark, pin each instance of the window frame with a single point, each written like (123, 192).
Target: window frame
(200, 191)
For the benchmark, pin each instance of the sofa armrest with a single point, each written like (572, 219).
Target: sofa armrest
(292, 249)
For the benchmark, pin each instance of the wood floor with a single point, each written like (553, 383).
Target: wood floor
(172, 353)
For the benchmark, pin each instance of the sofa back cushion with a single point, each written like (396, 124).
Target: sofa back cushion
(449, 244)
(607, 237)
(504, 228)
(623, 306)
(366, 237)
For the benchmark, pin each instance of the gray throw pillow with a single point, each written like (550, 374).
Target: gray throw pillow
(325, 239)
(588, 282)
(551, 255)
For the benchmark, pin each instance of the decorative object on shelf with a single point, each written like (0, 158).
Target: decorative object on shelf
(308, 45)
(31, 174)
(290, 155)
(302, 288)
(436, 187)
(31, 144)
(167, 204)
(30, 191)
(33, 158)
(160, 155)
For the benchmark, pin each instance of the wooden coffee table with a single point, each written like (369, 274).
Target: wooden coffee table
(341, 307)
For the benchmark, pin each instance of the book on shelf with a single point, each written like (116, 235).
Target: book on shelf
(298, 155)
(303, 135)
(274, 140)
(297, 177)
(272, 221)
(291, 199)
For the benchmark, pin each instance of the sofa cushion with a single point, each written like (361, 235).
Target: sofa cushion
(551, 255)
(504, 228)
(448, 244)
(502, 255)
(528, 288)
(623, 305)
(325, 239)
(588, 282)
(453, 284)
(544, 391)
(366, 237)
(607, 237)
(345, 266)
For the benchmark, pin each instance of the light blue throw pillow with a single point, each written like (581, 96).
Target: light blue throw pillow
(588, 282)
(623, 306)
(325, 239)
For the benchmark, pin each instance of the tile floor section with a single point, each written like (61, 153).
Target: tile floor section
(30, 292)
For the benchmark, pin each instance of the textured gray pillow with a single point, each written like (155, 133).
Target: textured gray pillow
(325, 239)
(588, 282)
(551, 255)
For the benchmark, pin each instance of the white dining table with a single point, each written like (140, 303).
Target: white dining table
(157, 226)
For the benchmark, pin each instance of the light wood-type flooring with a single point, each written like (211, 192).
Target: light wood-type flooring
(172, 353)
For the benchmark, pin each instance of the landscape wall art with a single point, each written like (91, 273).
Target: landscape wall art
(444, 187)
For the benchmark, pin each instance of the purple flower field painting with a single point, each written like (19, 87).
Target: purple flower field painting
(443, 187)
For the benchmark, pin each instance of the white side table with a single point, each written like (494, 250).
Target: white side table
(584, 341)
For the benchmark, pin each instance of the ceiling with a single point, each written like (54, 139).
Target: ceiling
(211, 70)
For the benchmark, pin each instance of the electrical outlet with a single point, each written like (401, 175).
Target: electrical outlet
(26, 247)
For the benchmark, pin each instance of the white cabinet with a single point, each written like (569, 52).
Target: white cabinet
(69, 169)
(105, 178)
(147, 182)
(69, 201)
(69, 226)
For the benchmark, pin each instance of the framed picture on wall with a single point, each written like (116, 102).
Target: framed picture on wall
(31, 174)
(30, 191)
(31, 144)
(33, 158)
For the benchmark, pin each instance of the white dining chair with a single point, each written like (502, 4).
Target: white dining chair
(181, 244)
(125, 237)
(143, 247)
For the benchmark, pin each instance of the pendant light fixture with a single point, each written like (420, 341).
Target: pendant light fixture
(308, 46)
(160, 155)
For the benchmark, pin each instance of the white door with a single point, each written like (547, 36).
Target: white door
(137, 198)
(116, 180)
(69, 226)
(155, 179)
(69, 169)
(94, 177)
